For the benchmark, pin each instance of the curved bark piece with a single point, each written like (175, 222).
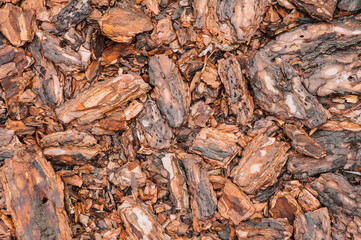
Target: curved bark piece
(35, 196)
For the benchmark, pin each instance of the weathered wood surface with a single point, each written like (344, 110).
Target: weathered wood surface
(34, 196)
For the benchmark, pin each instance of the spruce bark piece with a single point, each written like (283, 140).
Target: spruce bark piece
(17, 24)
(265, 228)
(172, 93)
(302, 142)
(234, 204)
(177, 182)
(102, 98)
(123, 21)
(217, 147)
(139, 222)
(313, 225)
(319, 9)
(239, 98)
(34, 196)
(342, 151)
(153, 131)
(260, 164)
(203, 197)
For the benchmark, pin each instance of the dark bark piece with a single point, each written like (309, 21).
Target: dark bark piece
(261, 163)
(217, 147)
(234, 204)
(173, 96)
(153, 130)
(279, 90)
(139, 222)
(102, 98)
(264, 228)
(342, 151)
(73, 13)
(17, 24)
(123, 21)
(343, 201)
(302, 142)
(49, 84)
(240, 100)
(177, 182)
(163, 32)
(65, 57)
(128, 175)
(70, 147)
(337, 194)
(284, 205)
(349, 5)
(313, 225)
(203, 197)
(8, 143)
(319, 9)
(35, 196)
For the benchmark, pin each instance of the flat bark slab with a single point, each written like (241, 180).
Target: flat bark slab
(177, 182)
(163, 33)
(303, 143)
(203, 197)
(123, 21)
(70, 147)
(102, 98)
(308, 201)
(313, 225)
(217, 147)
(261, 163)
(139, 221)
(321, 10)
(34, 196)
(173, 96)
(17, 24)
(339, 155)
(240, 100)
(235, 204)
(153, 131)
(265, 228)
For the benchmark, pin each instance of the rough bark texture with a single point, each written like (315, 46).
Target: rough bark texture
(265, 228)
(34, 196)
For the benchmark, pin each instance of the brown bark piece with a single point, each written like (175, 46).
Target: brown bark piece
(217, 147)
(177, 182)
(127, 175)
(140, 223)
(307, 201)
(203, 198)
(34, 196)
(265, 228)
(173, 96)
(284, 205)
(73, 13)
(302, 142)
(70, 147)
(260, 164)
(102, 98)
(279, 90)
(17, 24)
(200, 114)
(338, 147)
(319, 9)
(234, 204)
(163, 32)
(349, 5)
(313, 225)
(153, 130)
(123, 21)
(240, 100)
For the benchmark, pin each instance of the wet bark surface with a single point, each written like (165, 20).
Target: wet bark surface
(185, 119)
